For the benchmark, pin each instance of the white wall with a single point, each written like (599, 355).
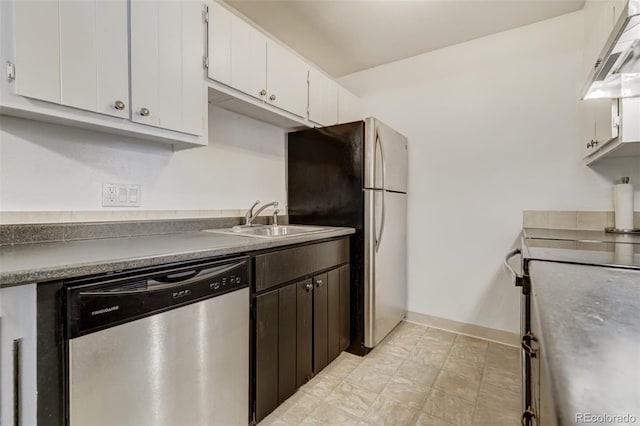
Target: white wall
(494, 129)
(49, 167)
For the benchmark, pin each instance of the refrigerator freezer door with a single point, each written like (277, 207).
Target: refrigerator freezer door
(385, 263)
(385, 157)
(324, 175)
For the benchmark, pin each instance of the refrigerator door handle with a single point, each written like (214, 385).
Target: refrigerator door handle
(382, 220)
(384, 164)
(384, 167)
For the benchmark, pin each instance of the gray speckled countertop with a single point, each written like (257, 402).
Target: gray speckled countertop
(590, 335)
(29, 263)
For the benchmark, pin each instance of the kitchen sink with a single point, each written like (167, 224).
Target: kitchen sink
(270, 231)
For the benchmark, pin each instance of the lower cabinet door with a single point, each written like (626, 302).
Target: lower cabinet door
(345, 303)
(333, 314)
(286, 342)
(320, 322)
(304, 332)
(266, 372)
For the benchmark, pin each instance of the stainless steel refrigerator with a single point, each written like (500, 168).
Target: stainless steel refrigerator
(355, 175)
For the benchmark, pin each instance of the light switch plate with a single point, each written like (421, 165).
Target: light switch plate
(120, 195)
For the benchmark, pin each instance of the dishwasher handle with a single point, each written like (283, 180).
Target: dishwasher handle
(168, 281)
(178, 277)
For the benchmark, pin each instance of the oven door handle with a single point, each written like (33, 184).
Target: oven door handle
(517, 277)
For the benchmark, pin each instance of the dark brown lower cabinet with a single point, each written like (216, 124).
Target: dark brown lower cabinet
(266, 344)
(345, 285)
(333, 314)
(320, 322)
(330, 316)
(287, 336)
(299, 328)
(304, 323)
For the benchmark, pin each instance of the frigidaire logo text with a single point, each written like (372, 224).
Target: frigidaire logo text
(105, 310)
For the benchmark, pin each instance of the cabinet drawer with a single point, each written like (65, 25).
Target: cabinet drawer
(278, 267)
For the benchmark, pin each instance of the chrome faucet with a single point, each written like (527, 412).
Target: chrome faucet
(251, 216)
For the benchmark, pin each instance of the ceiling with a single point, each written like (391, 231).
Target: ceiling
(345, 36)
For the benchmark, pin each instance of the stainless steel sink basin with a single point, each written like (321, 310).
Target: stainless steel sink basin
(270, 231)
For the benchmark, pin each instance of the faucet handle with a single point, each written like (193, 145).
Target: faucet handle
(275, 217)
(250, 211)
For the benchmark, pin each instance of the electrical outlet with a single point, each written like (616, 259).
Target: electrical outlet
(120, 195)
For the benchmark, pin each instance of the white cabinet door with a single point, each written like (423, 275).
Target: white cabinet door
(323, 99)
(94, 49)
(588, 127)
(78, 59)
(219, 43)
(598, 126)
(286, 80)
(167, 40)
(248, 59)
(145, 76)
(112, 54)
(350, 107)
(18, 332)
(604, 121)
(169, 67)
(37, 49)
(194, 106)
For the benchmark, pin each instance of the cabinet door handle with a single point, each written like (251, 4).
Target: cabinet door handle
(528, 417)
(263, 92)
(319, 283)
(119, 105)
(144, 112)
(17, 381)
(527, 346)
(309, 286)
(272, 97)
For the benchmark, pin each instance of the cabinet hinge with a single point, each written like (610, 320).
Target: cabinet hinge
(205, 14)
(11, 71)
(205, 62)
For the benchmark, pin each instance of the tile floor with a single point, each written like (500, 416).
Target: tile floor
(416, 376)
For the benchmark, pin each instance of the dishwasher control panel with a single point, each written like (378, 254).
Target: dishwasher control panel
(95, 304)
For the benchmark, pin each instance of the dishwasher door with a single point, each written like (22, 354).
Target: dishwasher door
(185, 366)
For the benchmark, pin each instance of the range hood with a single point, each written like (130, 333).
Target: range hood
(616, 73)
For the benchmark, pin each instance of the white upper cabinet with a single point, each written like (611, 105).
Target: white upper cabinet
(219, 43)
(37, 50)
(350, 107)
(323, 99)
(286, 80)
(145, 78)
(78, 54)
(166, 63)
(92, 60)
(248, 59)
(253, 74)
(80, 60)
(112, 57)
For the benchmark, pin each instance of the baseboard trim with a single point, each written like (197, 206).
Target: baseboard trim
(486, 333)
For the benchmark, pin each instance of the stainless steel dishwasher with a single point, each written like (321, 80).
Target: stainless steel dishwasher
(165, 346)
